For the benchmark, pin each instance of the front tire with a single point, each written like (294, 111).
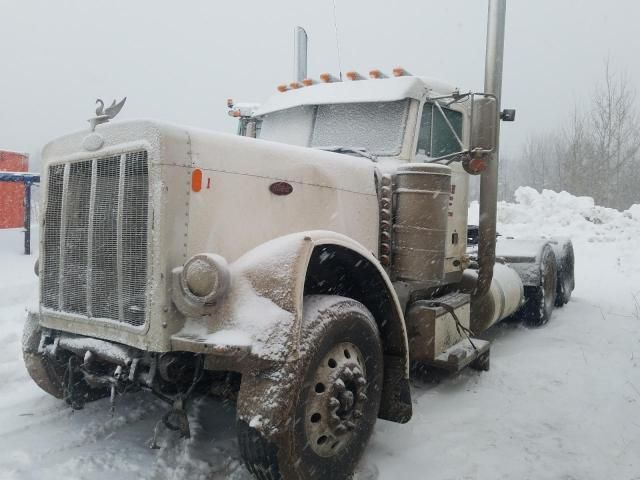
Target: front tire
(52, 374)
(45, 372)
(335, 403)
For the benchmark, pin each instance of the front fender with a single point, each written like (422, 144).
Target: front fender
(257, 325)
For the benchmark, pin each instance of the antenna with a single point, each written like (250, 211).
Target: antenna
(335, 24)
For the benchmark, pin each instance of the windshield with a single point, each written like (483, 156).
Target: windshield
(377, 127)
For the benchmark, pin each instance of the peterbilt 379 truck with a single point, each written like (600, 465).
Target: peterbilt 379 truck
(300, 268)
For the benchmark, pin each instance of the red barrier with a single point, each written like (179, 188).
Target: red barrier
(12, 194)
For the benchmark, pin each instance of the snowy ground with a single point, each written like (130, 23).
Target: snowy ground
(560, 402)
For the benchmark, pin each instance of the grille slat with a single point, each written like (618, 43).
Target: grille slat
(134, 237)
(104, 266)
(51, 238)
(74, 278)
(102, 272)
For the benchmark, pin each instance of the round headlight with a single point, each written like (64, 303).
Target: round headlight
(202, 280)
(206, 277)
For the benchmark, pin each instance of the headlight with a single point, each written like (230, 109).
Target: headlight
(197, 285)
(206, 276)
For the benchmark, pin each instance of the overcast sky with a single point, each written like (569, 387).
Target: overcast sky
(179, 61)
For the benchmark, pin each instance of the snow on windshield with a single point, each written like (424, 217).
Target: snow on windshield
(377, 127)
(292, 126)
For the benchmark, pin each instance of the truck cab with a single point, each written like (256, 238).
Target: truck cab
(391, 121)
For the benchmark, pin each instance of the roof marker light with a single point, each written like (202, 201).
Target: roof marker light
(307, 82)
(400, 72)
(328, 78)
(353, 75)
(282, 88)
(295, 85)
(377, 74)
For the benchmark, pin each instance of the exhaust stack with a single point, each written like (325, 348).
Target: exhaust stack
(489, 179)
(300, 54)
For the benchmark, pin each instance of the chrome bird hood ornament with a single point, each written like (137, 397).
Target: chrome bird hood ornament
(103, 115)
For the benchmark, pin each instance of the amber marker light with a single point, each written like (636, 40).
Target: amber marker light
(196, 180)
(376, 74)
(282, 88)
(307, 82)
(353, 75)
(477, 165)
(399, 72)
(295, 85)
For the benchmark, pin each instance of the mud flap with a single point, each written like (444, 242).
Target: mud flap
(395, 404)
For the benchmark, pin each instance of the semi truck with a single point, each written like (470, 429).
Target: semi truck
(300, 268)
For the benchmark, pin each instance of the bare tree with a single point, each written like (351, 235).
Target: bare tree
(596, 152)
(614, 128)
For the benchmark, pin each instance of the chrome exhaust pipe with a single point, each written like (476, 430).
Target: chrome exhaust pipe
(489, 178)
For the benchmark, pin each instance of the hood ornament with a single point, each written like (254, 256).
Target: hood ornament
(103, 115)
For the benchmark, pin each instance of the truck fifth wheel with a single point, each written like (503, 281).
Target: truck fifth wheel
(298, 268)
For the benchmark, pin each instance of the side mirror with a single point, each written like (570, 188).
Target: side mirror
(484, 123)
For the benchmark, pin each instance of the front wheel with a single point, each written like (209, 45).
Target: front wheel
(334, 406)
(53, 374)
(45, 372)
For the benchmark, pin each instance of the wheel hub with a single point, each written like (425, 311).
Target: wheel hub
(336, 401)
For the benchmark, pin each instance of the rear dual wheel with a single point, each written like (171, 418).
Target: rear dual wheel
(566, 276)
(335, 405)
(540, 300)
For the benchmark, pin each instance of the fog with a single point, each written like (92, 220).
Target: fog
(180, 61)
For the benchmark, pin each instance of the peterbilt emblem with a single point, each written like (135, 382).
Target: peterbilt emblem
(281, 188)
(103, 115)
(92, 142)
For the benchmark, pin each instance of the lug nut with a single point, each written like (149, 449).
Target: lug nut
(341, 429)
(362, 397)
(346, 400)
(351, 425)
(334, 403)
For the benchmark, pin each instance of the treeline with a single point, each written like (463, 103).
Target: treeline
(596, 153)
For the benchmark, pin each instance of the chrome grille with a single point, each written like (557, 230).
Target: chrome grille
(95, 238)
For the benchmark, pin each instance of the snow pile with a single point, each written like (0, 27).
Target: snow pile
(564, 211)
(560, 213)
